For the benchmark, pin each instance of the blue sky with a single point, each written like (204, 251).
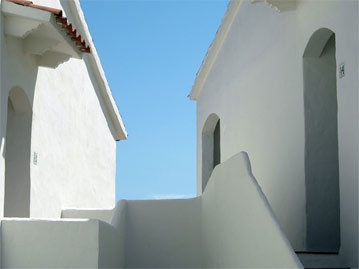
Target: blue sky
(151, 51)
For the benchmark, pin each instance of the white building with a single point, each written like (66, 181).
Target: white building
(280, 81)
(269, 85)
(59, 122)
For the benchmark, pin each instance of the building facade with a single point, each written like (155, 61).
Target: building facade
(280, 82)
(58, 121)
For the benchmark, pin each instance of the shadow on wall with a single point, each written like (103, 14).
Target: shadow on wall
(211, 147)
(230, 226)
(321, 143)
(18, 154)
(19, 75)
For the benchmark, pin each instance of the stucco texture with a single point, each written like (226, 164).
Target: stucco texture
(230, 226)
(71, 133)
(255, 86)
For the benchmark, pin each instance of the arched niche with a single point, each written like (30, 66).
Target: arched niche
(321, 143)
(18, 154)
(211, 147)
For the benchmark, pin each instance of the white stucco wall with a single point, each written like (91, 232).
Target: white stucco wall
(76, 151)
(71, 133)
(80, 243)
(110, 246)
(20, 71)
(119, 222)
(2, 124)
(163, 234)
(0, 243)
(238, 227)
(230, 226)
(44, 244)
(256, 88)
(100, 214)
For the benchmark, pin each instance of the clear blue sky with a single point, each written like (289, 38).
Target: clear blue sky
(151, 51)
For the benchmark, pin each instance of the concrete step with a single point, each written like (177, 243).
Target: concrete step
(321, 261)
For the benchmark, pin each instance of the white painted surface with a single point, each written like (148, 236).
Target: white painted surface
(0, 244)
(42, 36)
(238, 227)
(76, 151)
(255, 86)
(49, 244)
(100, 214)
(2, 125)
(75, 124)
(110, 246)
(119, 222)
(74, 13)
(77, 243)
(163, 234)
(18, 155)
(230, 226)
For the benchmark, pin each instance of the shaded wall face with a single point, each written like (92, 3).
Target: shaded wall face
(217, 145)
(18, 71)
(163, 234)
(321, 151)
(17, 163)
(238, 228)
(256, 86)
(211, 147)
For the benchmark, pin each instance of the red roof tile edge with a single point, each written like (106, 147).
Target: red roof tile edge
(67, 26)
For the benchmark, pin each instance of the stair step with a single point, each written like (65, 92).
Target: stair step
(321, 261)
(326, 267)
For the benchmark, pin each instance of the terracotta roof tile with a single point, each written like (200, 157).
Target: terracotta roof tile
(67, 26)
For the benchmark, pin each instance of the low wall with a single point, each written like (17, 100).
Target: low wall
(100, 214)
(52, 244)
(119, 223)
(230, 225)
(109, 247)
(0, 246)
(239, 229)
(163, 234)
(60, 244)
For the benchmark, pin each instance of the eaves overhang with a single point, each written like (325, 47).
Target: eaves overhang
(43, 31)
(48, 36)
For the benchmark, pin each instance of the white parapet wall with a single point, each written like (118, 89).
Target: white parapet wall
(100, 214)
(230, 226)
(0, 246)
(163, 234)
(239, 229)
(58, 244)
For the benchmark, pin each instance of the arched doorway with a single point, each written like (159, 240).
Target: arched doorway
(18, 155)
(211, 147)
(321, 143)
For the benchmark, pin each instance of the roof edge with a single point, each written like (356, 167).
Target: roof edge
(214, 48)
(94, 60)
